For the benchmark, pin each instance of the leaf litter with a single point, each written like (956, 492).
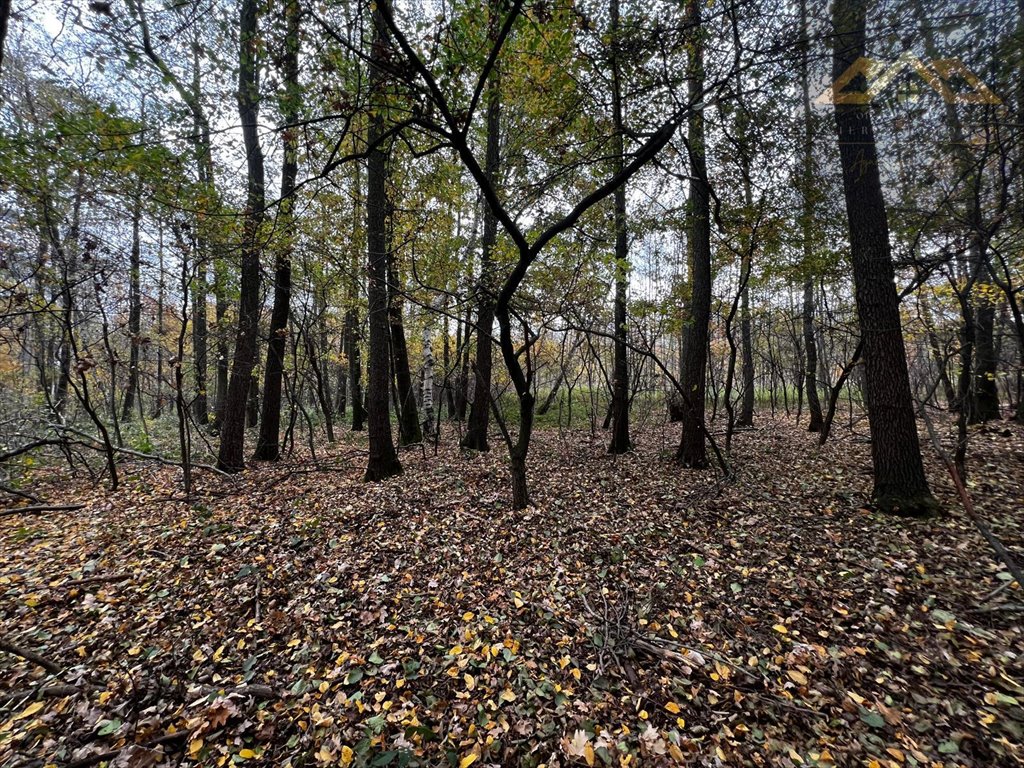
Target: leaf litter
(636, 614)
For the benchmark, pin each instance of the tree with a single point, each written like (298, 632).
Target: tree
(815, 419)
(692, 452)
(480, 410)
(620, 442)
(383, 459)
(268, 444)
(230, 457)
(900, 485)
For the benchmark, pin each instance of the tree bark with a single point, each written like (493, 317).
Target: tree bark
(268, 445)
(620, 442)
(692, 452)
(134, 312)
(900, 485)
(816, 418)
(383, 460)
(230, 458)
(409, 432)
(479, 413)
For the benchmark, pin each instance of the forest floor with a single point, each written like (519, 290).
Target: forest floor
(638, 614)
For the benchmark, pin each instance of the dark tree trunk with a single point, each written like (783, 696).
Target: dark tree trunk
(220, 309)
(5, 15)
(619, 411)
(479, 414)
(355, 368)
(816, 419)
(692, 451)
(746, 415)
(446, 357)
(252, 403)
(200, 403)
(231, 457)
(268, 445)
(900, 484)
(409, 430)
(131, 389)
(383, 460)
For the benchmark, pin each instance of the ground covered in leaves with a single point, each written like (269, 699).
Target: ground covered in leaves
(638, 614)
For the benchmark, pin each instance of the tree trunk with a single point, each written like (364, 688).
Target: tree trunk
(480, 411)
(268, 445)
(900, 485)
(427, 382)
(816, 419)
(131, 389)
(232, 434)
(383, 460)
(620, 442)
(692, 450)
(408, 418)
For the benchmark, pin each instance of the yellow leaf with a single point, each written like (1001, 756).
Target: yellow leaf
(194, 747)
(468, 760)
(30, 710)
(673, 708)
(468, 616)
(507, 695)
(680, 722)
(347, 755)
(797, 677)
(246, 754)
(780, 629)
(588, 754)
(470, 681)
(564, 662)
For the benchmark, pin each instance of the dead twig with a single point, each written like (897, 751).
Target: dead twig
(50, 666)
(35, 509)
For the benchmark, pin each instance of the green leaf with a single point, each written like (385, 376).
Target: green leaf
(873, 719)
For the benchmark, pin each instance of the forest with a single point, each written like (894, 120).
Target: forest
(511, 383)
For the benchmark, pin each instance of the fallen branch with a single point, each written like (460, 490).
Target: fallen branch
(36, 509)
(50, 666)
(48, 692)
(110, 754)
(968, 504)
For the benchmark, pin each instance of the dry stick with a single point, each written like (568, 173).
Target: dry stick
(965, 499)
(48, 692)
(100, 757)
(97, 579)
(50, 666)
(35, 509)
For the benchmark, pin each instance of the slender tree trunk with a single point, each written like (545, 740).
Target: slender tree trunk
(268, 446)
(692, 451)
(409, 432)
(816, 419)
(220, 314)
(131, 389)
(5, 15)
(446, 364)
(232, 434)
(900, 483)
(620, 442)
(383, 460)
(427, 380)
(160, 299)
(479, 414)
